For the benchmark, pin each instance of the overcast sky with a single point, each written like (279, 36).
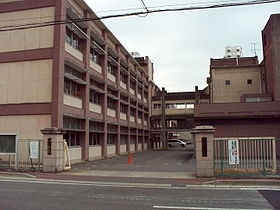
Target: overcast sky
(180, 44)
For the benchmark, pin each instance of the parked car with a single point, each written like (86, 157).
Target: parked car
(176, 143)
(187, 141)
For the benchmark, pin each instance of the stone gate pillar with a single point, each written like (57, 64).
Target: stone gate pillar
(53, 150)
(203, 139)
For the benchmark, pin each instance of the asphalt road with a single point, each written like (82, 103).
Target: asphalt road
(173, 160)
(16, 194)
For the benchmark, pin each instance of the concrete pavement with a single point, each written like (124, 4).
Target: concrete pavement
(174, 167)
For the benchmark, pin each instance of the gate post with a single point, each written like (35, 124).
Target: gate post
(203, 138)
(53, 149)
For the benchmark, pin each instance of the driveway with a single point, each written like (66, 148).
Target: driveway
(172, 163)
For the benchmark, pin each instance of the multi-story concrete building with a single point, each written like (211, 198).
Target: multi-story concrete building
(230, 78)
(60, 72)
(241, 99)
(173, 114)
(244, 94)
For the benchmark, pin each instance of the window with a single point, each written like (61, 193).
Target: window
(132, 112)
(123, 78)
(73, 72)
(156, 123)
(123, 108)
(73, 39)
(110, 139)
(71, 88)
(95, 56)
(96, 84)
(72, 123)
(94, 139)
(170, 106)
(72, 138)
(132, 85)
(227, 82)
(189, 106)
(96, 126)
(112, 92)
(249, 82)
(111, 69)
(157, 106)
(111, 104)
(172, 123)
(124, 98)
(95, 98)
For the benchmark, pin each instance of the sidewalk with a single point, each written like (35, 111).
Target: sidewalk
(175, 168)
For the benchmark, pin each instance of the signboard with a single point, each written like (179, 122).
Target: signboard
(8, 143)
(233, 150)
(34, 149)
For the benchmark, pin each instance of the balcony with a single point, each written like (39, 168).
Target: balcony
(122, 116)
(139, 96)
(123, 85)
(95, 108)
(111, 112)
(72, 101)
(139, 121)
(95, 66)
(131, 119)
(76, 53)
(145, 100)
(132, 91)
(111, 77)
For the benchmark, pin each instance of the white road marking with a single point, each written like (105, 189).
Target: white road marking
(198, 208)
(129, 185)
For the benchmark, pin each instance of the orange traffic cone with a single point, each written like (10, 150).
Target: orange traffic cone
(130, 159)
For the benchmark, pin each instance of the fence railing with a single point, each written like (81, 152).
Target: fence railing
(28, 156)
(245, 156)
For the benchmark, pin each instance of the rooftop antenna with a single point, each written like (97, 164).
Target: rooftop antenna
(253, 48)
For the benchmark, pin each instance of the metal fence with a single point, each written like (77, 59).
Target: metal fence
(28, 156)
(245, 156)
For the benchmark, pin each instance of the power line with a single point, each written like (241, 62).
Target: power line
(222, 5)
(144, 5)
(167, 5)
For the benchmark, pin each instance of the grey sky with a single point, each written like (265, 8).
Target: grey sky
(180, 44)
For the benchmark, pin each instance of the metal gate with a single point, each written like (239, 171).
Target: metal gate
(245, 156)
(28, 156)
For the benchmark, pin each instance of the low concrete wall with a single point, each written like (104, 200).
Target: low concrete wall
(111, 150)
(75, 154)
(123, 149)
(95, 152)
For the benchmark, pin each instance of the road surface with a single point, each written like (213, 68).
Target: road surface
(54, 194)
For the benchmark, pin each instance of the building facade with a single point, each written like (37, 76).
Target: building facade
(73, 75)
(244, 94)
(173, 114)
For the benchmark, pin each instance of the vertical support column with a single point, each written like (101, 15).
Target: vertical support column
(163, 123)
(85, 142)
(53, 150)
(58, 66)
(136, 123)
(203, 137)
(118, 102)
(274, 167)
(105, 101)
